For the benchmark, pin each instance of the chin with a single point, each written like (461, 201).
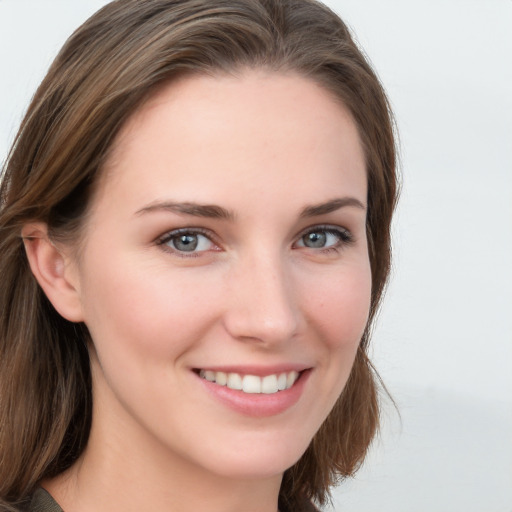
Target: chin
(257, 456)
(256, 468)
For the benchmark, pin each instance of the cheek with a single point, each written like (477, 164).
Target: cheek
(337, 306)
(340, 305)
(147, 312)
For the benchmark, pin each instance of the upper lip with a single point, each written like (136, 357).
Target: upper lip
(260, 371)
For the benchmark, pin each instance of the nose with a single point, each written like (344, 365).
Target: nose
(262, 305)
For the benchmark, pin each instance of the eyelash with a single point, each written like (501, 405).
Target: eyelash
(345, 238)
(167, 237)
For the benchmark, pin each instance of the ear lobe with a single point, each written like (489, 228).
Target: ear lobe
(52, 269)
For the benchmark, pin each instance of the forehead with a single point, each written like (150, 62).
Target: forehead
(210, 130)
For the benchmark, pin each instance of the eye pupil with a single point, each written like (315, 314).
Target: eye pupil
(315, 239)
(186, 242)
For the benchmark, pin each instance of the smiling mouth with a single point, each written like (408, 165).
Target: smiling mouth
(252, 384)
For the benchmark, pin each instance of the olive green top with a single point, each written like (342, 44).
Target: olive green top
(43, 502)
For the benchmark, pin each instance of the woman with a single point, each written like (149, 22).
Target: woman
(195, 240)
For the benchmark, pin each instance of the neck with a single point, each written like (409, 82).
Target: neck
(124, 470)
(81, 490)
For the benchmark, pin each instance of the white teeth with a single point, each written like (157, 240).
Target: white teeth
(269, 384)
(209, 375)
(234, 381)
(281, 382)
(291, 378)
(252, 383)
(221, 378)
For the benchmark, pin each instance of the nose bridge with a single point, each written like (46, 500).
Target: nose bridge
(263, 305)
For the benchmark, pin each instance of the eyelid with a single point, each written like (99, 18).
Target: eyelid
(167, 236)
(345, 238)
(345, 235)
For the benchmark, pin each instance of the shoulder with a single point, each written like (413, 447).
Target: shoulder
(43, 502)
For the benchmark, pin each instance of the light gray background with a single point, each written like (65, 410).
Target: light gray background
(444, 339)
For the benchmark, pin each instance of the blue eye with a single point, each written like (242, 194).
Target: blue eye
(324, 238)
(187, 241)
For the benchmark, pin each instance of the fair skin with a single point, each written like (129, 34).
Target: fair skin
(271, 278)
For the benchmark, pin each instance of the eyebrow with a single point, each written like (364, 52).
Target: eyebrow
(331, 206)
(210, 211)
(213, 211)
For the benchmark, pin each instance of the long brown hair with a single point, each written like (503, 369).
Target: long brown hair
(105, 71)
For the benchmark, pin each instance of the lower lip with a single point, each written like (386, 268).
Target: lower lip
(258, 404)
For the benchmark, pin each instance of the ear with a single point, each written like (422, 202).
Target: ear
(53, 270)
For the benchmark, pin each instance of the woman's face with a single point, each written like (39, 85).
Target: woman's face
(226, 248)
